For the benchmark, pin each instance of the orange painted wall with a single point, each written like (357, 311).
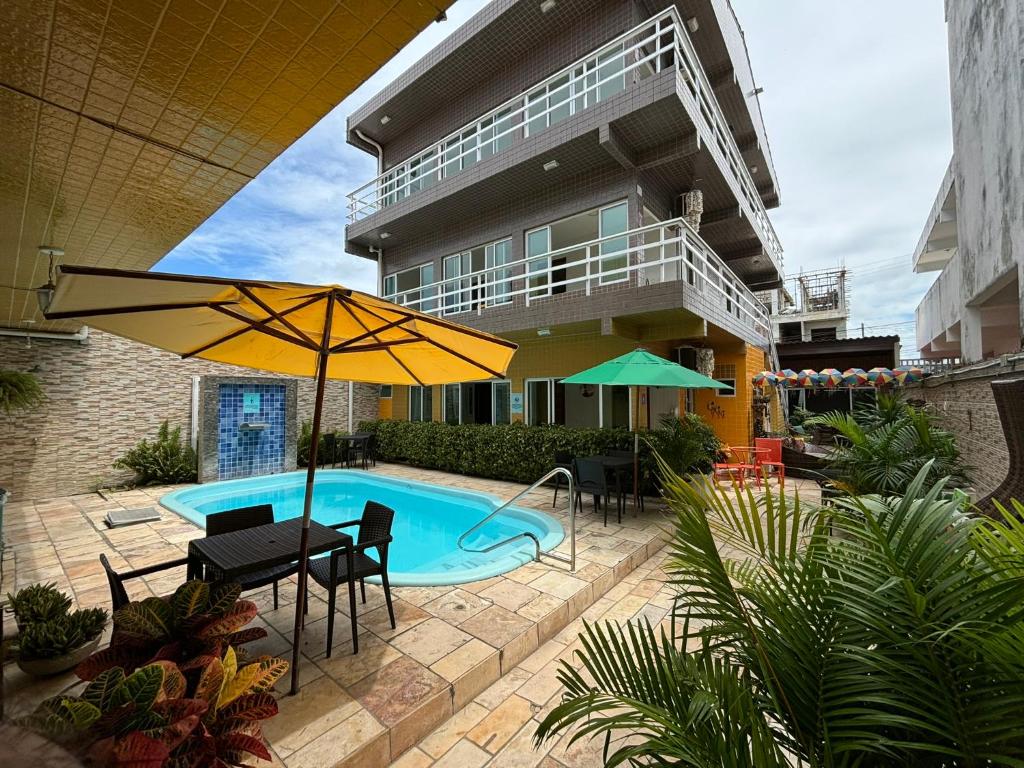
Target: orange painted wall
(732, 417)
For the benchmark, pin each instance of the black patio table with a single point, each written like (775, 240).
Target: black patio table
(260, 547)
(354, 439)
(618, 466)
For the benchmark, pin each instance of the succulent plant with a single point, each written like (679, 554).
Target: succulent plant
(61, 635)
(38, 603)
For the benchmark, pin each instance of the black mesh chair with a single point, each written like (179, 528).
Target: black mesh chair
(346, 565)
(563, 460)
(118, 594)
(240, 519)
(591, 479)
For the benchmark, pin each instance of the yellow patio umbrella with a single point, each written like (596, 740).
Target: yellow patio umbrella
(326, 332)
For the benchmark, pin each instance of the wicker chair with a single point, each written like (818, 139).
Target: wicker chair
(118, 594)
(1009, 398)
(591, 478)
(330, 571)
(240, 519)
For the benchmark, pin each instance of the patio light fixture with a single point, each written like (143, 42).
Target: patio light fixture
(543, 331)
(547, 5)
(385, 119)
(692, 24)
(44, 293)
(550, 165)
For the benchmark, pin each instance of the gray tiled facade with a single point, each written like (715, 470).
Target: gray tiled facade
(640, 146)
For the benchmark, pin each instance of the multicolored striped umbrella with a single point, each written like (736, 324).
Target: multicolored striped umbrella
(830, 377)
(808, 378)
(855, 377)
(765, 379)
(907, 375)
(788, 377)
(879, 376)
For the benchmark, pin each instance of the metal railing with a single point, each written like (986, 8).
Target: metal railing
(571, 559)
(657, 253)
(655, 45)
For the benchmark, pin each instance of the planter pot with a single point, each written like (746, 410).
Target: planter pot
(58, 664)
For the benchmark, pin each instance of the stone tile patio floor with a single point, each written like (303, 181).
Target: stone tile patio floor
(462, 681)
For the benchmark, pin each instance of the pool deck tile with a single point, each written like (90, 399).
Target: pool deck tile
(466, 675)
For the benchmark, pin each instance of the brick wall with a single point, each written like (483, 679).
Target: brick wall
(963, 401)
(106, 394)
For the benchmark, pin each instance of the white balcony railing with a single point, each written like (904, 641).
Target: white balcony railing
(658, 253)
(657, 44)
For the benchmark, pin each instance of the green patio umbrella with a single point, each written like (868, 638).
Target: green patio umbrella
(640, 368)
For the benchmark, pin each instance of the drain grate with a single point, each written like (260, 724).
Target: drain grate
(121, 517)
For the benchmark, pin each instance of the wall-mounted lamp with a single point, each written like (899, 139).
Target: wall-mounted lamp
(692, 24)
(385, 119)
(543, 331)
(547, 5)
(385, 235)
(44, 293)
(756, 92)
(550, 165)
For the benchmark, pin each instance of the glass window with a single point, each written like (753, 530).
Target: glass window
(502, 398)
(503, 130)
(535, 104)
(559, 103)
(385, 391)
(421, 404)
(538, 401)
(451, 403)
(608, 64)
(613, 220)
(404, 287)
(499, 279)
(538, 242)
(468, 148)
(726, 392)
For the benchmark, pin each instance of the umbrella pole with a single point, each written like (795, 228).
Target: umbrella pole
(307, 504)
(636, 454)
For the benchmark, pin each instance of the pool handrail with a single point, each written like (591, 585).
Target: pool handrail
(571, 559)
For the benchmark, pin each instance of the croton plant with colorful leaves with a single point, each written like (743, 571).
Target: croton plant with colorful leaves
(171, 690)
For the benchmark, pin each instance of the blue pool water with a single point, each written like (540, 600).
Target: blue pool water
(428, 519)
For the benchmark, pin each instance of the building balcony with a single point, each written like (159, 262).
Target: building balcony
(938, 242)
(664, 274)
(642, 100)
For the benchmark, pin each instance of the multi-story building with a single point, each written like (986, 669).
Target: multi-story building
(813, 306)
(582, 177)
(974, 233)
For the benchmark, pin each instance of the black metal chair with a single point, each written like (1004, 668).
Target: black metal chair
(348, 564)
(591, 478)
(563, 460)
(364, 451)
(118, 594)
(240, 519)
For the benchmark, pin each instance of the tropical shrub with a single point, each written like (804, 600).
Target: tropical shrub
(686, 444)
(59, 635)
(38, 603)
(205, 711)
(517, 452)
(884, 444)
(883, 632)
(19, 391)
(197, 620)
(168, 459)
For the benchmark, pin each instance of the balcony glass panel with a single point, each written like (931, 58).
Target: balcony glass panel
(613, 220)
(538, 243)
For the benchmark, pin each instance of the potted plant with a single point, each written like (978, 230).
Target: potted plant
(18, 392)
(52, 639)
(55, 646)
(38, 603)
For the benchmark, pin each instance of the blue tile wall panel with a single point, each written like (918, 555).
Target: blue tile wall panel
(246, 453)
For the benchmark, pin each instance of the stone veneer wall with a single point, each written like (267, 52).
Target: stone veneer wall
(963, 401)
(106, 394)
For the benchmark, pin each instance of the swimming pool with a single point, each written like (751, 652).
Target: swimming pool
(428, 520)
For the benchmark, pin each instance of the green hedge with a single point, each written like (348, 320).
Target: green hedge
(503, 452)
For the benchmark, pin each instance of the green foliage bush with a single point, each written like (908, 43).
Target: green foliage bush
(19, 391)
(522, 454)
(884, 444)
(168, 459)
(685, 444)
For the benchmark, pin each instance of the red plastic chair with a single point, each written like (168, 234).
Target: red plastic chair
(742, 462)
(770, 457)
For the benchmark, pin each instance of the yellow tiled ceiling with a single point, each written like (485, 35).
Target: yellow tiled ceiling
(125, 124)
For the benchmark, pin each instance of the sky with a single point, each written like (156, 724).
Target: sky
(855, 104)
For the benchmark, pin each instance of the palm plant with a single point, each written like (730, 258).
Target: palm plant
(880, 632)
(885, 444)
